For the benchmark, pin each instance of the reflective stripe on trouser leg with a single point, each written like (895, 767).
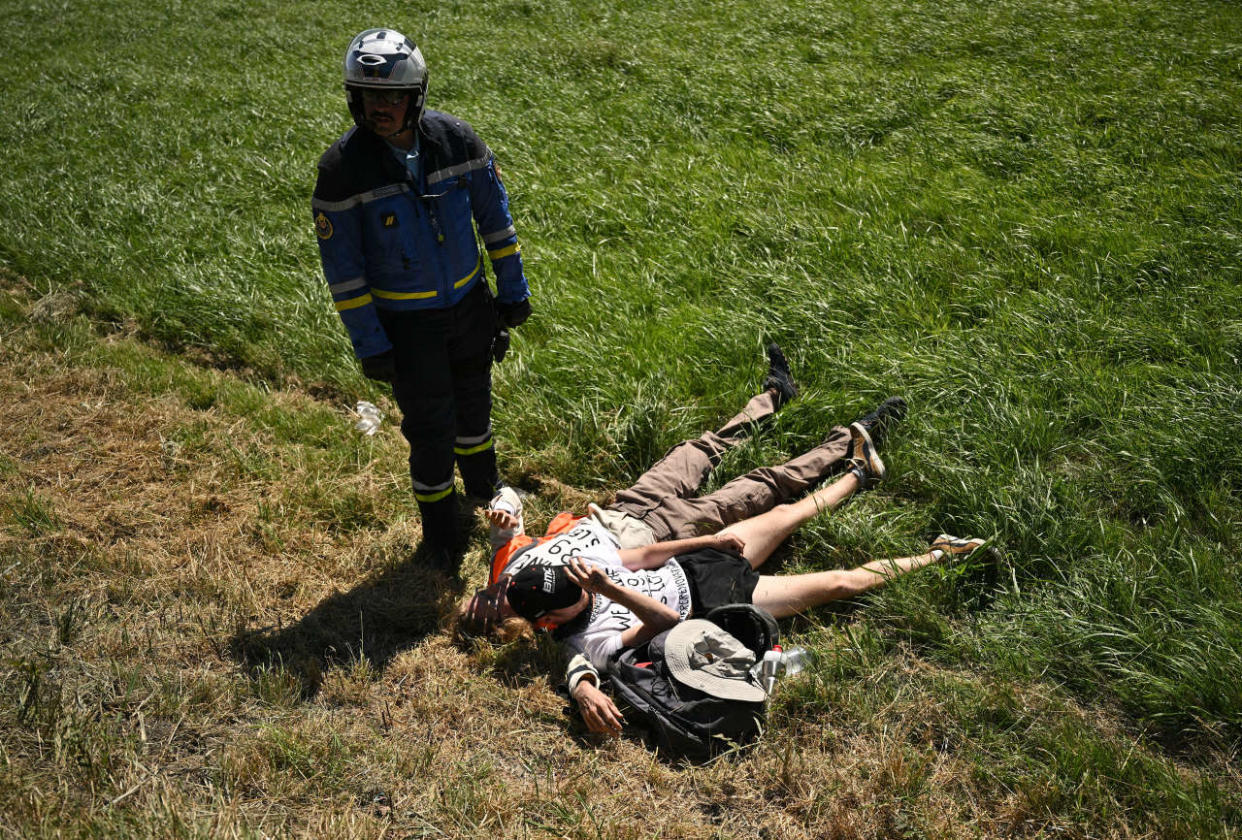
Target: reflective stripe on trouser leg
(429, 493)
(473, 444)
(428, 426)
(477, 464)
(437, 507)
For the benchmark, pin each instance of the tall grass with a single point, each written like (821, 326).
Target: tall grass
(1022, 217)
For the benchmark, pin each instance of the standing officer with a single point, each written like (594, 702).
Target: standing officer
(396, 206)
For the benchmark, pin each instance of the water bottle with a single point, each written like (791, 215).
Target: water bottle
(779, 662)
(768, 668)
(794, 660)
(369, 417)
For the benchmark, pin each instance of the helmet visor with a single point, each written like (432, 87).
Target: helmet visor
(378, 96)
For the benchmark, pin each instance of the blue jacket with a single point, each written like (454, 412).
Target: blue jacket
(386, 241)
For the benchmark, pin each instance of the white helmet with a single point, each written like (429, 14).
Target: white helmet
(385, 59)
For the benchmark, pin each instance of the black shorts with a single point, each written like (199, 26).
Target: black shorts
(717, 578)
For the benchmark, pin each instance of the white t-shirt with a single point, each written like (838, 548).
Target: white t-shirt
(587, 539)
(601, 638)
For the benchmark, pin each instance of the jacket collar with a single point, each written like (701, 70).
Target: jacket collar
(392, 167)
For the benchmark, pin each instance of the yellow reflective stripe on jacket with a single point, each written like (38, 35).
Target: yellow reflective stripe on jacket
(501, 253)
(386, 295)
(352, 303)
(463, 281)
(432, 497)
(482, 447)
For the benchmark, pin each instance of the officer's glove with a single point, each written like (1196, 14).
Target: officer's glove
(381, 367)
(513, 314)
(500, 345)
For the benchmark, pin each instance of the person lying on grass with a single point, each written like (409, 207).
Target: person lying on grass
(599, 605)
(661, 505)
(600, 599)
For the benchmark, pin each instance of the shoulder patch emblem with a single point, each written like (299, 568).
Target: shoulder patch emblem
(323, 228)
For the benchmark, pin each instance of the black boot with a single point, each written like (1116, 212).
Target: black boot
(881, 421)
(441, 528)
(779, 378)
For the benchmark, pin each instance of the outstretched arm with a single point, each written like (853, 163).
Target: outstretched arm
(657, 554)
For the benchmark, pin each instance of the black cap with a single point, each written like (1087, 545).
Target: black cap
(537, 590)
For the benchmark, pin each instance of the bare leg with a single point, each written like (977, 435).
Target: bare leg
(763, 533)
(794, 594)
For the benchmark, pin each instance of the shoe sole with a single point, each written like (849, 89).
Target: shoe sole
(780, 377)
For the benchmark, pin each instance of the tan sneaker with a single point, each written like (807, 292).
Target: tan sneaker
(956, 548)
(864, 461)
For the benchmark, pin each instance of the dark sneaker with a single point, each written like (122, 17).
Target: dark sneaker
(439, 557)
(886, 415)
(863, 460)
(779, 378)
(954, 549)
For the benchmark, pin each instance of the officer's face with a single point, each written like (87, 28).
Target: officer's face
(385, 110)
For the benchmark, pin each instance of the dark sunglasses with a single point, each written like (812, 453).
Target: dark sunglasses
(385, 97)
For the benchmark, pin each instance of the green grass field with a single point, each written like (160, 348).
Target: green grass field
(1023, 217)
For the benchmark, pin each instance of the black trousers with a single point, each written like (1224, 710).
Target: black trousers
(443, 386)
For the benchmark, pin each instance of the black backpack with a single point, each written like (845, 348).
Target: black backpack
(683, 722)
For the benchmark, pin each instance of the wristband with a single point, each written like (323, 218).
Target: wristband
(580, 668)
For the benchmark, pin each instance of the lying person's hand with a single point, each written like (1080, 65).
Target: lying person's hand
(485, 609)
(590, 578)
(727, 541)
(502, 519)
(598, 711)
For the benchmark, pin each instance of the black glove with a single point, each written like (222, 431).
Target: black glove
(381, 367)
(500, 345)
(513, 314)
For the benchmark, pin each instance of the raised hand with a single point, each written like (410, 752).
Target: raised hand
(590, 578)
(502, 519)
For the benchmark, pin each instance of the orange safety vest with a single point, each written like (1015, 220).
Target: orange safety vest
(564, 521)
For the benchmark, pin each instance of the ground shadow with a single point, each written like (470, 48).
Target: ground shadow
(377, 619)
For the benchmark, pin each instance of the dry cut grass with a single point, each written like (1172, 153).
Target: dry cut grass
(217, 624)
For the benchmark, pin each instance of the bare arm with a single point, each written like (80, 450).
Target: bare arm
(657, 554)
(653, 616)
